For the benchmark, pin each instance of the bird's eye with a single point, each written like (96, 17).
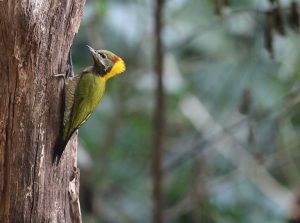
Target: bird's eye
(102, 55)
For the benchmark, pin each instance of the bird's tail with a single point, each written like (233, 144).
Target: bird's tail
(59, 149)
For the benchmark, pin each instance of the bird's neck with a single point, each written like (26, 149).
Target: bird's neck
(99, 69)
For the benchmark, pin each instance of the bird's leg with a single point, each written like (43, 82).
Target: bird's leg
(70, 72)
(60, 75)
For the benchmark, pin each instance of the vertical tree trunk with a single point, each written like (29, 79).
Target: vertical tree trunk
(159, 122)
(35, 39)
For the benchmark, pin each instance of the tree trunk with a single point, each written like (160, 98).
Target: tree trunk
(159, 119)
(35, 39)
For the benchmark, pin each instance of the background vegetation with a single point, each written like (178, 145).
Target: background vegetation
(231, 141)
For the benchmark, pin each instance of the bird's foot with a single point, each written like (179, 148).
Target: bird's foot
(60, 75)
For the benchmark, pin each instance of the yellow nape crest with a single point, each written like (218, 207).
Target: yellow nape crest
(118, 68)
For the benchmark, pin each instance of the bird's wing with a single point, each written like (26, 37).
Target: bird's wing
(70, 88)
(69, 95)
(81, 108)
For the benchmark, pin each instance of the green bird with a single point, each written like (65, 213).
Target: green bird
(83, 93)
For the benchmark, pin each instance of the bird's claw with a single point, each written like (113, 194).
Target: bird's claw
(60, 75)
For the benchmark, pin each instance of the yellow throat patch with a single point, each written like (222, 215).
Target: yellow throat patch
(118, 68)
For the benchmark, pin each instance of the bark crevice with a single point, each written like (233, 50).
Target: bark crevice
(33, 183)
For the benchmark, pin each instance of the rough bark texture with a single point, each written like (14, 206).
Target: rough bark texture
(35, 39)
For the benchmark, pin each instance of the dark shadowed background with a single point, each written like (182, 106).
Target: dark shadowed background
(231, 141)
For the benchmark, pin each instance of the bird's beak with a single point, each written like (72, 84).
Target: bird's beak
(91, 49)
(94, 53)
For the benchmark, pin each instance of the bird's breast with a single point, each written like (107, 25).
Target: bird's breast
(96, 91)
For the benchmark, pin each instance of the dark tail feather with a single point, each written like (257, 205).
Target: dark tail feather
(59, 149)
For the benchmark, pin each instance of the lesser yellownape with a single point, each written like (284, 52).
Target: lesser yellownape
(84, 92)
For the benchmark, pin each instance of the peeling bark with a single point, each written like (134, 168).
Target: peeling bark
(35, 39)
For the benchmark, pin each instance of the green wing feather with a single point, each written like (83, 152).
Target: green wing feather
(70, 88)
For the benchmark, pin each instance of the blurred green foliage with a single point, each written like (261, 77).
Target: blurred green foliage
(216, 59)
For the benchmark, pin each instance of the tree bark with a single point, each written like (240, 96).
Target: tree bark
(159, 119)
(35, 39)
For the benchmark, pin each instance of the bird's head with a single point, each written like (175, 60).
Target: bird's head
(106, 63)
